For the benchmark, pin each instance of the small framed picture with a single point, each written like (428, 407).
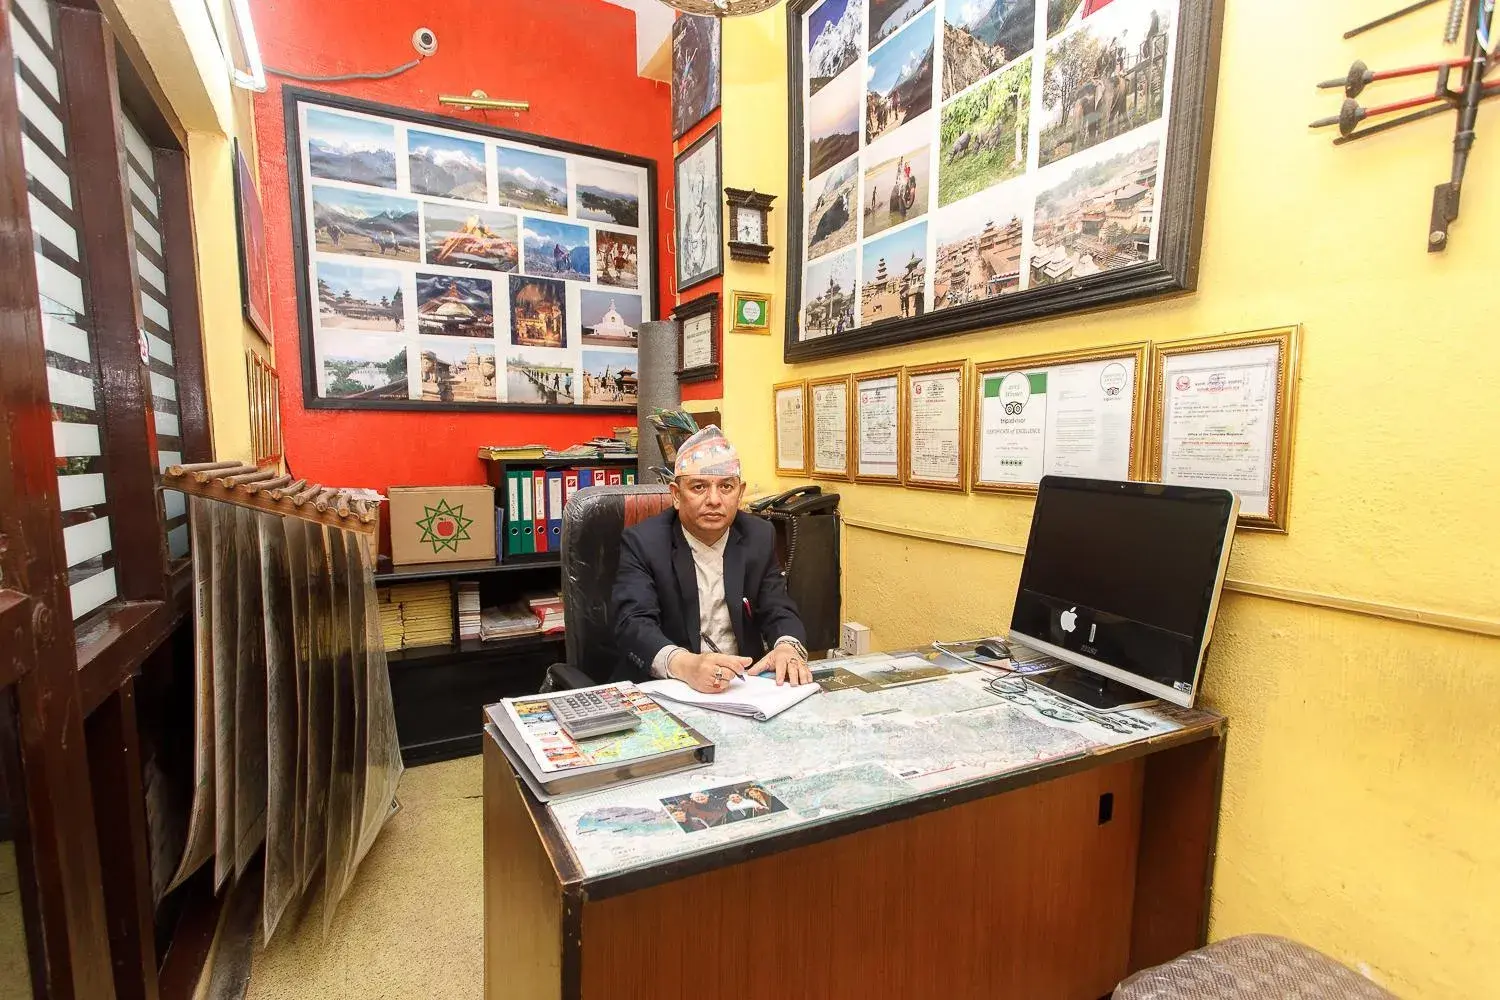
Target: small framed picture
(752, 313)
(698, 339)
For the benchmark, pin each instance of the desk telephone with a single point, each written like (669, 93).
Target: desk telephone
(802, 500)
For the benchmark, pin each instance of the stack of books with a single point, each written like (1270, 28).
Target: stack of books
(511, 452)
(468, 609)
(416, 614)
(507, 622)
(553, 764)
(548, 609)
(594, 448)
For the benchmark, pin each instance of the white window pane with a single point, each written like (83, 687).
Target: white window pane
(156, 312)
(92, 593)
(64, 338)
(150, 273)
(177, 542)
(36, 13)
(67, 389)
(167, 424)
(168, 459)
(160, 349)
(46, 171)
(145, 229)
(50, 226)
(59, 285)
(85, 541)
(35, 111)
(140, 149)
(163, 386)
(74, 440)
(33, 58)
(78, 492)
(174, 503)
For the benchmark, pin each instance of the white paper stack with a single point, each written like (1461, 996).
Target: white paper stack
(468, 609)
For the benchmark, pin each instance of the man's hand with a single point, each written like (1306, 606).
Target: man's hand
(707, 672)
(787, 663)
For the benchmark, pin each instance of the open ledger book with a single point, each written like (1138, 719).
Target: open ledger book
(755, 697)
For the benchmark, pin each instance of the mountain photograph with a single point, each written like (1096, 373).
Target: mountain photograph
(533, 181)
(833, 123)
(900, 79)
(364, 224)
(556, 250)
(980, 36)
(446, 166)
(887, 17)
(833, 39)
(345, 148)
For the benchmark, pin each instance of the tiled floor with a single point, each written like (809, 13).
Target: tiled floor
(411, 925)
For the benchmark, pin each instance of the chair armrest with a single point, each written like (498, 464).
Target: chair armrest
(565, 677)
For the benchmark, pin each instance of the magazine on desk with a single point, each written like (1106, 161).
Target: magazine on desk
(553, 763)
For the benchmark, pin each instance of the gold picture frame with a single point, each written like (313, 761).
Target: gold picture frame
(892, 375)
(813, 470)
(736, 301)
(908, 477)
(1139, 352)
(1283, 408)
(776, 393)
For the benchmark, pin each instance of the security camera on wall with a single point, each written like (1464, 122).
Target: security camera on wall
(424, 40)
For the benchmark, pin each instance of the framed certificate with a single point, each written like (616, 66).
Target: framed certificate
(876, 441)
(791, 428)
(1071, 414)
(830, 427)
(698, 339)
(935, 435)
(1222, 415)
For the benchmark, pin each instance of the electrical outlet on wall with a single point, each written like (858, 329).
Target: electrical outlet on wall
(855, 638)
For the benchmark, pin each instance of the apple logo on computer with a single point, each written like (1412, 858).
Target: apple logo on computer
(1069, 619)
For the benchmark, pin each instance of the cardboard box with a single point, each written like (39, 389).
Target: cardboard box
(441, 524)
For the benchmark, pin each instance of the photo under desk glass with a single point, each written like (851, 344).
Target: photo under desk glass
(871, 740)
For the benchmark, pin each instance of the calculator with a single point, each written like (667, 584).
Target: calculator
(585, 713)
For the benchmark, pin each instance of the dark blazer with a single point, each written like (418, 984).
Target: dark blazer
(655, 599)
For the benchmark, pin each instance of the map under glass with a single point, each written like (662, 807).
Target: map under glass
(842, 752)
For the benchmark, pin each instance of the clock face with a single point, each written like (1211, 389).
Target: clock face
(748, 226)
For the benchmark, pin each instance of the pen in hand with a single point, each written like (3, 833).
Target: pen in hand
(713, 648)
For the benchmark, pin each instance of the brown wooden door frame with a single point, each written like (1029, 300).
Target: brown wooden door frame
(35, 610)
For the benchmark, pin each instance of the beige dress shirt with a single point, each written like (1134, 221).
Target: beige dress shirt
(713, 608)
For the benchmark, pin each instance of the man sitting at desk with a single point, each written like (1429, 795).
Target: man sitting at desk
(700, 595)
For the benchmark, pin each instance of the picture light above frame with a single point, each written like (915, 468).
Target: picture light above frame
(925, 205)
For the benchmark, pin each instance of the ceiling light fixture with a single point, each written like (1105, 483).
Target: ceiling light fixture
(721, 8)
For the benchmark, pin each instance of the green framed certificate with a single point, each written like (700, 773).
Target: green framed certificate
(752, 313)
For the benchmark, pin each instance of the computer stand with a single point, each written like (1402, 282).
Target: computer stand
(1095, 691)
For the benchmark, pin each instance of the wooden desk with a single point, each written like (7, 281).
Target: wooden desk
(1006, 887)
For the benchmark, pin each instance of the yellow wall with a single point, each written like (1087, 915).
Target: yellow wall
(181, 42)
(1360, 808)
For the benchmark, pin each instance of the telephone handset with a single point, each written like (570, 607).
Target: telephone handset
(802, 500)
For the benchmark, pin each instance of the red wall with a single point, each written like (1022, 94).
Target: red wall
(574, 60)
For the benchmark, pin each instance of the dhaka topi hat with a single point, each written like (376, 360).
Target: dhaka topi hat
(707, 453)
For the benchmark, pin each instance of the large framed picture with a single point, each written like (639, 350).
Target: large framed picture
(447, 265)
(697, 46)
(255, 273)
(700, 211)
(957, 166)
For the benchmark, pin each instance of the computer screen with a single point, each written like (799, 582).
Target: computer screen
(1123, 579)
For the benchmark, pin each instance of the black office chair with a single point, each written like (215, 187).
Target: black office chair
(807, 545)
(592, 524)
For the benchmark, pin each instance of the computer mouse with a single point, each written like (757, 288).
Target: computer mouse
(985, 649)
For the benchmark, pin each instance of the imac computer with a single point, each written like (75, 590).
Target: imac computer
(1122, 581)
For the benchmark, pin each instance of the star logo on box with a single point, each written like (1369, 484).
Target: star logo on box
(444, 526)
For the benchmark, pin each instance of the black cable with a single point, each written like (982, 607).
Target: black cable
(343, 77)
